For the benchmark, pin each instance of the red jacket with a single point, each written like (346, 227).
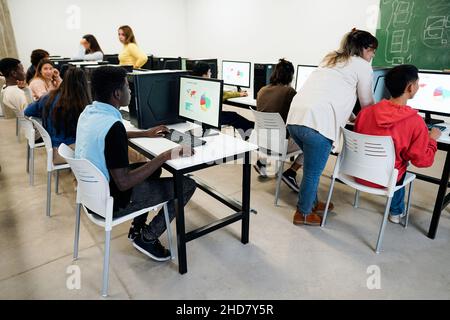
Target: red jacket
(407, 129)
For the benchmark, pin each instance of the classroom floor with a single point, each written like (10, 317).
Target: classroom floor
(281, 261)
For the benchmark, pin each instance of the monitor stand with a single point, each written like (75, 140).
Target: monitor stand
(430, 121)
(206, 132)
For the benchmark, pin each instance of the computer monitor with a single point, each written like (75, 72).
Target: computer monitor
(160, 63)
(111, 58)
(303, 72)
(201, 100)
(236, 73)
(190, 63)
(380, 91)
(433, 96)
(261, 76)
(174, 64)
(154, 97)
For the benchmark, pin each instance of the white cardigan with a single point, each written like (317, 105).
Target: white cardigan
(328, 96)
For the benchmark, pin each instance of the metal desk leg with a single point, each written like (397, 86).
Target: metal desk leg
(438, 206)
(246, 199)
(181, 232)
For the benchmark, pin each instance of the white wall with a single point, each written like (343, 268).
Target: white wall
(263, 31)
(302, 31)
(159, 25)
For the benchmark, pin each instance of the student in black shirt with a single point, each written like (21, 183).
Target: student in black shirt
(135, 186)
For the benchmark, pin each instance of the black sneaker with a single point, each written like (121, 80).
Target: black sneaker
(133, 233)
(153, 248)
(289, 178)
(260, 168)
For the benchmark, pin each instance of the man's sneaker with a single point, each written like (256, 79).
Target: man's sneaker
(260, 168)
(396, 218)
(134, 232)
(153, 248)
(289, 178)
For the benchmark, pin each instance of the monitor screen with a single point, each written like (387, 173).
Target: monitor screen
(236, 73)
(201, 100)
(433, 94)
(303, 73)
(380, 91)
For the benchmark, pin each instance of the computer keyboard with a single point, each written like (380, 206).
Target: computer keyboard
(125, 115)
(183, 138)
(442, 128)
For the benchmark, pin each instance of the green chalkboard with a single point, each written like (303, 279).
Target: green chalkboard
(415, 32)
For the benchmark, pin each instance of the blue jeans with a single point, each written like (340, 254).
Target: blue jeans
(398, 200)
(316, 150)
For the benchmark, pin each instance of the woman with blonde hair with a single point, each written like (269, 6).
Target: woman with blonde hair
(131, 53)
(46, 79)
(322, 107)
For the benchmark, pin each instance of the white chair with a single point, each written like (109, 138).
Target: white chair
(50, 166)
(93, 193)
(370, 158)
(270, 135)
(30, 135)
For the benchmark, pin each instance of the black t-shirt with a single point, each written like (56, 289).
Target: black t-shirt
(116, 156)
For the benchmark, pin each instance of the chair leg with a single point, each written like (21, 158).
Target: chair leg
(106, 264)
(49, 191)
(169, 231)
(408, 204)
(57, 182)
(383, 225)
(28, 158)
(77, 231)
(280, 174)
(330, 192)
(32, 166)
(356, 201)
(17, 129)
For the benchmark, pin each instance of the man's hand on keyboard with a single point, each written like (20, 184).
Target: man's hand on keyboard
(156, 131)
(181, 151)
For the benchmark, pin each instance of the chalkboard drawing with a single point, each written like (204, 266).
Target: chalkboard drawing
(437, 32)
(400, 43)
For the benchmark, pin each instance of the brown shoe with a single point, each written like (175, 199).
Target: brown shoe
(311, 219)
(320, 207)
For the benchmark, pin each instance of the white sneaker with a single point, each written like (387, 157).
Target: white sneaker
(397, 218)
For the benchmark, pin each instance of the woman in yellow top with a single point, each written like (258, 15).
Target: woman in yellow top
(131, 54)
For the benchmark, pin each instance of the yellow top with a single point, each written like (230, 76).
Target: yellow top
(132, 55)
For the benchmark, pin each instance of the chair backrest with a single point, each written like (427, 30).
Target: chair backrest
(47, 142)
(270, 131)
(93, 187)
(368, 157)
(29, 132)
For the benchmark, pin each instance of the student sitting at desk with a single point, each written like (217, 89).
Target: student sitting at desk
(277, 97)
(15, 94)
(131, 53)
(60, 109)
(89, 49)
(409, 132)
(46, 79)
(102, 139)
(36, 57)
(322, 107)
(230, 118)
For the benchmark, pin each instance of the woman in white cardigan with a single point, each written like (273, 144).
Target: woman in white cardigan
(324, 104)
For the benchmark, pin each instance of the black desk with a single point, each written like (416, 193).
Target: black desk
(442, 198)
